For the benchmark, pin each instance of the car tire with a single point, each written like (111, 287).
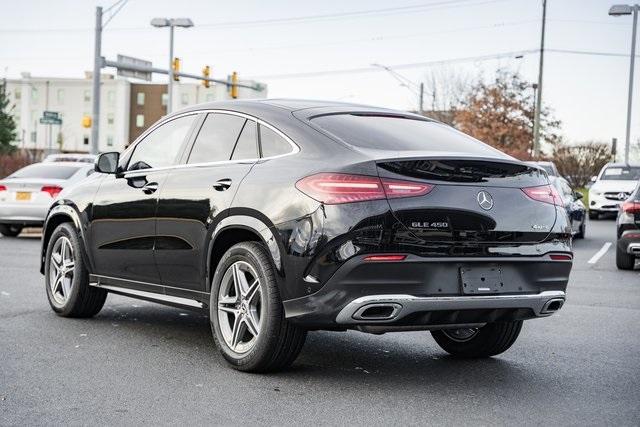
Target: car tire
(67, 277)
(487, 341)
(594, 215)
(583, 230)
(247, 321)
(10, 230)
(624, 261)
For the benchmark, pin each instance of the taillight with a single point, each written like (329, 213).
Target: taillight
(631, 207)
(385, 257)
(561, 257)
(53, 190)
(3, 188)
(544, 193)
(337, 188)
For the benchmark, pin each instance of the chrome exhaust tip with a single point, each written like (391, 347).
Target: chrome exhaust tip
(378, 311)
(552, 306)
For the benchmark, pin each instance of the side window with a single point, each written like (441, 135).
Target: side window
(272, 144)
(247, 145)
(160, 148)
(216, 139)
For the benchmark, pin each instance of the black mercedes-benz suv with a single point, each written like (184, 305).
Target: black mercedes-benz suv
(282, 216)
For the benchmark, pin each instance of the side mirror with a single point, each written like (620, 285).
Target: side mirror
(107, 162)
(594, 178)
(578, 195)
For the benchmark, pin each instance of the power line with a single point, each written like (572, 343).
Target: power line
(443, 4)
(512, 54)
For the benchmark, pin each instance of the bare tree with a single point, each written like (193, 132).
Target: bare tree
(578, 163)
(445, 90)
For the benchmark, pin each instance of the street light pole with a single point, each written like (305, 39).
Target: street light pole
(536, 119)
(632, 62)
(170, 84)
(171, 23)
(620, 10)
(97, 65)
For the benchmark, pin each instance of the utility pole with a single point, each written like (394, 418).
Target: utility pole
(536, 120)
(421, 98)
(97, 65)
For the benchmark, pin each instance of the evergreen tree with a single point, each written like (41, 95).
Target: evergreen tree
(7, 123)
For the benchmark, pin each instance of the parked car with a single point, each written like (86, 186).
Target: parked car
(70, 157)
(27, 194)
(614, 184)
(628, 226)
(572, 201)
(282, 216)
(549, 167)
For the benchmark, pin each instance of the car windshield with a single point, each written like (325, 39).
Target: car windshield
(46, 171)
(621, 173)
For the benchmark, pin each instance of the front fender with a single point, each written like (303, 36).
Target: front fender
(59, 213)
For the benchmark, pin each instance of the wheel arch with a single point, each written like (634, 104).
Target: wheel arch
(235, 229)
(59, 214)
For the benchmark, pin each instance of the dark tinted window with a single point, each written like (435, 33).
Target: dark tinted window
(247, 145)
(272, 143)
(623, 173)
(216, 138)
(46, 171)
(398, 133)
(160, 148)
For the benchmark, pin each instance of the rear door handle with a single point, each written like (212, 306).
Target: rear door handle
(222, 184)
(150, 188)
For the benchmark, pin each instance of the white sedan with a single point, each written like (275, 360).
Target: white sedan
(27, 194)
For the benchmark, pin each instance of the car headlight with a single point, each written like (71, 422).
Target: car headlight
(596, 193)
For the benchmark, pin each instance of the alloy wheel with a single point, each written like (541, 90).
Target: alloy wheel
(240, 307)
(461, 335)
(61, 270)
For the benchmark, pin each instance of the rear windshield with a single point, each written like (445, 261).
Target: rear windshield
(46, 171)
(621, 173)
(399, 134)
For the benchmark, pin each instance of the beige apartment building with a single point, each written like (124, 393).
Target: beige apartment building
(127, 109)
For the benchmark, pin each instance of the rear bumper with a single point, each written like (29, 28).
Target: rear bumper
(25, 214)
(628, 243)
(428, 291)
(542, 304)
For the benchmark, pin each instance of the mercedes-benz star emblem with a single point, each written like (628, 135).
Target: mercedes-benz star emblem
(485, 200)
(622, 196)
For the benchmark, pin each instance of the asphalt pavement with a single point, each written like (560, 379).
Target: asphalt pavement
(141, 363)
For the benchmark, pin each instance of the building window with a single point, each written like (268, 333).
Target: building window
(109, 141)
(185, 99)
(17, 94)
(140, 98)
(60, 96)
(165, 99)
(111, 98)
(110, 119)
(210, 97)
(34, 136)
(87, 96)
(85, 140)
(140, 120)
(34, 94)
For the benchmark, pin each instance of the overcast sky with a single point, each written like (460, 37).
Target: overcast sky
(277, 43)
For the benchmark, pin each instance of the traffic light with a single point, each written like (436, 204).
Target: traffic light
(176, 69)
(206, 72)
(234, 85)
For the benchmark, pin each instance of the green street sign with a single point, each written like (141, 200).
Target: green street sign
(50, 115)
(50, 121)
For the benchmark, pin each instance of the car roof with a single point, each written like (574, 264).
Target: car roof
(288, 106)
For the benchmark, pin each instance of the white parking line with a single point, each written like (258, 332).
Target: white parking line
(603, 250)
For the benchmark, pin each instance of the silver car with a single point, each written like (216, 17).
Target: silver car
(27, 194)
